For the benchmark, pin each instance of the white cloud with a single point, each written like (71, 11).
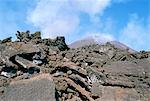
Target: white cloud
(121, 1)
(62, 17)
(92, 7)
(100, 37)
(136, 33)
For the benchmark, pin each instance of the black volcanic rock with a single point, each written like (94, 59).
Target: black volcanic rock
(6, 40)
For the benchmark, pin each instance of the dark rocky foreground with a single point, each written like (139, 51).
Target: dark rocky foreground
(36, 69)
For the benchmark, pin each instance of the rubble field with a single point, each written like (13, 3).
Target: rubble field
(36, 69)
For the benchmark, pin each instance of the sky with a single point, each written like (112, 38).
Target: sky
(126, 21)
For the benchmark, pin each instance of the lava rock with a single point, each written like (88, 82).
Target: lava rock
(39, 88)
(6, 40)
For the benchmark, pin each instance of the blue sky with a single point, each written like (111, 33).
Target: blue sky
(127, 21)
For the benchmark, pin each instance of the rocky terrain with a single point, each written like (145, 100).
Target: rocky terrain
(36, 69)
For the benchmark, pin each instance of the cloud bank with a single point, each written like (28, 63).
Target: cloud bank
(136, 33)
(62, 17)
(65, 18)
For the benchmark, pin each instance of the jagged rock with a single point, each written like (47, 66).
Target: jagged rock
(23, 36)
(81, 81)
(72, 66)
(61, 85)
(58, 42)
(6, 40)
(95, 76)
(89, 73)
(7, 52)
(24, 62)
(36, 35)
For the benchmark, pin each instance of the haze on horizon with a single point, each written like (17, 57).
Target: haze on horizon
(126, 21)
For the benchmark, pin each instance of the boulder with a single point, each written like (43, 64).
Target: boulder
(58, 42)
(23, 36)
(36, 35)
(39, 88)
(119, 94)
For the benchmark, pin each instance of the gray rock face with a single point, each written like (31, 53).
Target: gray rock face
(119, 94)
(40, 88)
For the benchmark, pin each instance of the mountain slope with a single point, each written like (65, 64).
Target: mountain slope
(91, 40)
